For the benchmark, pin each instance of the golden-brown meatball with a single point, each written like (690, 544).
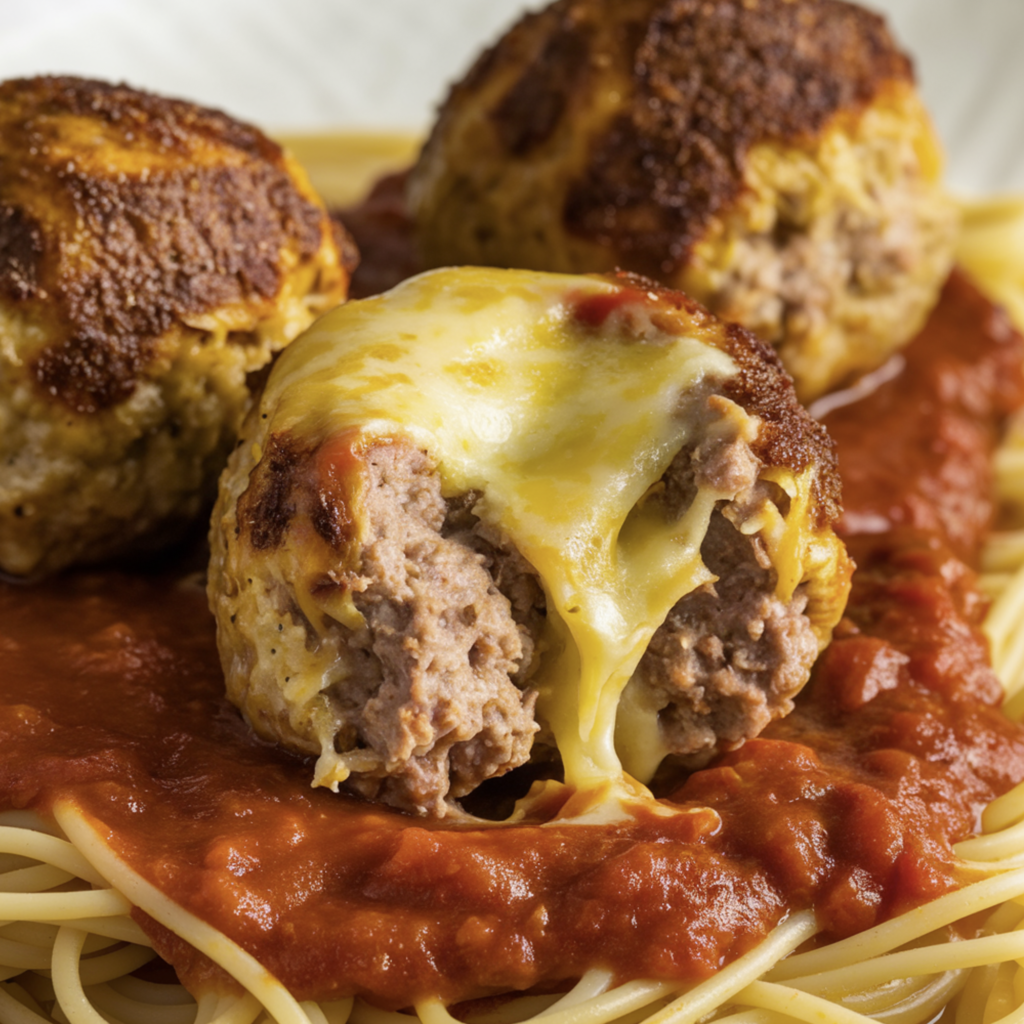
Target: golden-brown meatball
(770, 158)
(152, 254)
(493, 510)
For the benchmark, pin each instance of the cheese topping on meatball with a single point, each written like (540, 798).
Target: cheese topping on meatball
(576, 436)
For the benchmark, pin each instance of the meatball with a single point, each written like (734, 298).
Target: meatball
(770, 158)
(494, 516)
(152, 255)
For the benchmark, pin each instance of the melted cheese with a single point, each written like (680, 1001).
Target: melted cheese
(563, 428)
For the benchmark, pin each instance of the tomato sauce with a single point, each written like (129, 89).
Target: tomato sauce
(111, 696)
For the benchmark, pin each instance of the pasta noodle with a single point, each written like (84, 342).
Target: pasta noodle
(69, 947)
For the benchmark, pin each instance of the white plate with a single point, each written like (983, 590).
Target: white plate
(301, 65)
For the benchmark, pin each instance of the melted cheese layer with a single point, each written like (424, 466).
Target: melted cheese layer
(562, 426)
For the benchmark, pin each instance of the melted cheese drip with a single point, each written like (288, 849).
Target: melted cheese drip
(563, 428)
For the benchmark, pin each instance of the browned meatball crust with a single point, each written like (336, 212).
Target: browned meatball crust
(769, 157)
(152, 253)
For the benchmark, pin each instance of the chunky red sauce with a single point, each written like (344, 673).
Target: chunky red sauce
(111, 696)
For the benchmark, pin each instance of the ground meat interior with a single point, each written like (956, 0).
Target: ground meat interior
(431, 687)
(454, 624)
(730, 655)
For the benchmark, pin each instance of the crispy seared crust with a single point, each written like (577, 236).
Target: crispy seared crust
(178, 211)
(704, 91)
(789, 436)
(153, 255)
(769, 157)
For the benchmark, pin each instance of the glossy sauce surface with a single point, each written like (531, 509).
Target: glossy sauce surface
(111, 696)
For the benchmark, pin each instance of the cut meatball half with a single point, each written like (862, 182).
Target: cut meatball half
(495, 516)
(770, 158)
(152, 255)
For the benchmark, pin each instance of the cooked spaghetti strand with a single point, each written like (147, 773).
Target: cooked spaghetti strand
(62, 906)
(720, 988)
(67, 981)
(898, 931)
(799, 1005)
(281, 1004)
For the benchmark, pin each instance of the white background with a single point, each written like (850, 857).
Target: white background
(297, 65)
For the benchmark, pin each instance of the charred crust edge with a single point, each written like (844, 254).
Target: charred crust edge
(709, 81)
(152, 244)
(285, 484)
(789, 436)
(171, 124)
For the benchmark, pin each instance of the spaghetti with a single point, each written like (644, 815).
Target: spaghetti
(70, 947)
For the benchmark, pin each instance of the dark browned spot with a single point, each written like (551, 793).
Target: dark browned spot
(132, 250)
(287, 484)
(21, 250)
(269, 503)
(184, 243)
(88, 375)
(711, 78)
(530, 110)
(330, 518)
